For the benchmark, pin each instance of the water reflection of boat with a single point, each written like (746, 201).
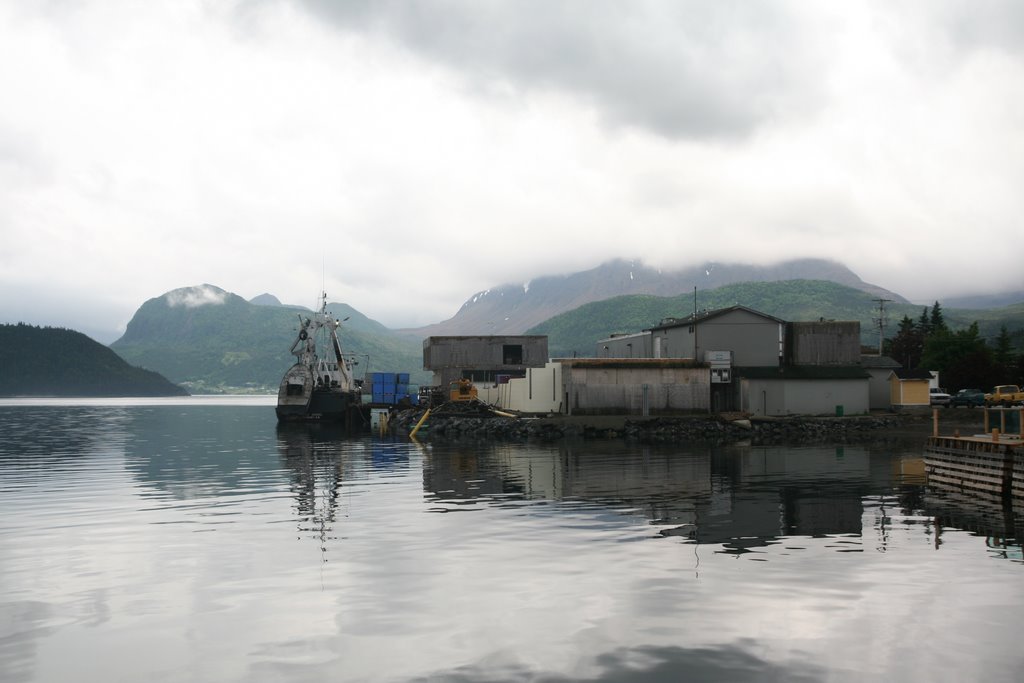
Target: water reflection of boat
(312, 453)
(300, 438)
(320, 385)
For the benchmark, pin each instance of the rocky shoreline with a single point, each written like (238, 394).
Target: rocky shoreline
(719, 429)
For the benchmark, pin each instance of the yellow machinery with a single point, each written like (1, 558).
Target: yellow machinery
(462, 390)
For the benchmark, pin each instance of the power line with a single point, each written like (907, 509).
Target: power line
(881, 321)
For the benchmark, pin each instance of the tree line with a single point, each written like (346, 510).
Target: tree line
(963, 358)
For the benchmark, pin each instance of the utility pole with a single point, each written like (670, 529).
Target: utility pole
(880, 321)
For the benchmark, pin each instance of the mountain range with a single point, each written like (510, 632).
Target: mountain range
(209, 339)
(513, 309)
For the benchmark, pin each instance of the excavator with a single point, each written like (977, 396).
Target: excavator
(462, 390)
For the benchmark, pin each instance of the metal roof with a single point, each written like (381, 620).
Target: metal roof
(702, 316)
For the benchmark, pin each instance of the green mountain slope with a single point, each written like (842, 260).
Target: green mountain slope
(49, 361)
(577, 331)
(211, 340)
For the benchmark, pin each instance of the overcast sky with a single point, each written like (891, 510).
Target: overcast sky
(405, 155)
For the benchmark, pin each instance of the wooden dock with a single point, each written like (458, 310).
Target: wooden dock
(991, 464)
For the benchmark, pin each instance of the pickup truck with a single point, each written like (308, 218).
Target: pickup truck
(1004, 395)
(968, 398)
(937, 396)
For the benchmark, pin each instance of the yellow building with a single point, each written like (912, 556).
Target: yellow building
(909, 388)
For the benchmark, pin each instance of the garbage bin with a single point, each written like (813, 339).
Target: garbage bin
(839, 411)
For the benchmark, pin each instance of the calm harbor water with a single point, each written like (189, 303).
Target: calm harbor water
(194, 540)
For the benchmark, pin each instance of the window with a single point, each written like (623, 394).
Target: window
(512, 354)
(490, 376)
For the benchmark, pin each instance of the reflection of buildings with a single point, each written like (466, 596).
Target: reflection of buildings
(771, 492)
(738, 497)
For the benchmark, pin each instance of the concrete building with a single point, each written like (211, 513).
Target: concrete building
(637, 345)
(759, 363)
(729, 359)
(483, 359)
(803, 390)
(753, 338)
(634, 386)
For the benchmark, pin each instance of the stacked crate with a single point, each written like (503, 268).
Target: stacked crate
(389, 388)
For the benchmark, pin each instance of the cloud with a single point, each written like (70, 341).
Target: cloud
(679, 69)
(405, 155)
(193, 297)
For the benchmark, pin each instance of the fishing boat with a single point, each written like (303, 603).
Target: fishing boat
(320, 386)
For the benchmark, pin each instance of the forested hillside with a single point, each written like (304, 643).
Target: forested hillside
(49, 361)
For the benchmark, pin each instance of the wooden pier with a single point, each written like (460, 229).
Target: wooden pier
(991, 464)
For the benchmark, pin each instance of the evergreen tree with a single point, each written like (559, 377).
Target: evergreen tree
(1002, 355)
(936, 322)
(908, 343)
(924, 323)
(962, 358)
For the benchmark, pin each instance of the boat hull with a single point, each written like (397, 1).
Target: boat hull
(301, 399)
(325, 405)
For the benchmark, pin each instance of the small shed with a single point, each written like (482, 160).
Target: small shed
(909, 388)
(880, 388)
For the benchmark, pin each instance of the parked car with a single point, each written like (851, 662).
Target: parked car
(938, 396)
(969, 398)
